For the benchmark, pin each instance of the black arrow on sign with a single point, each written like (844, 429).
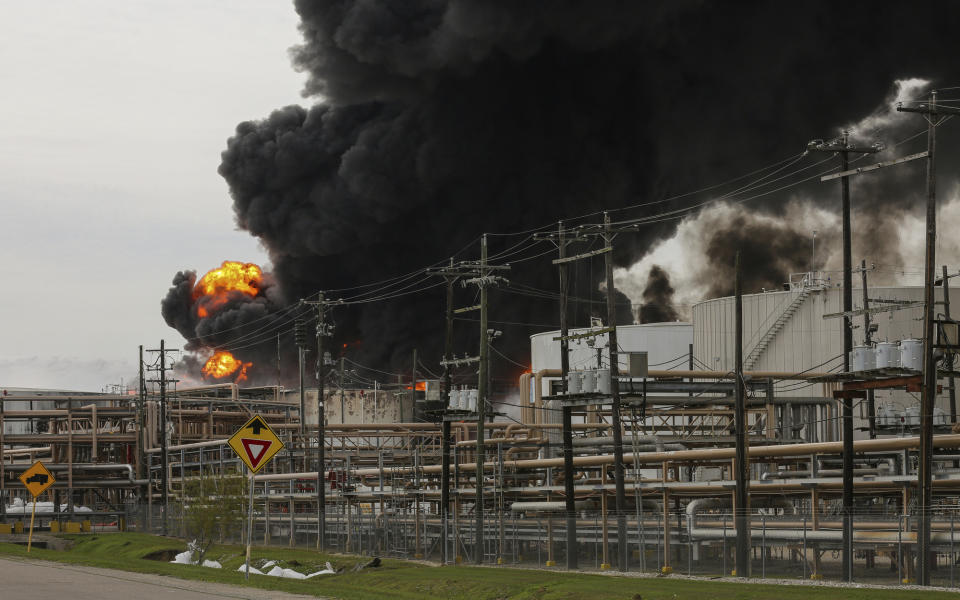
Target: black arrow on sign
(256, 425)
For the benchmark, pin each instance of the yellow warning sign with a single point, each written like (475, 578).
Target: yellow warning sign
(37, 479)
(255, 443)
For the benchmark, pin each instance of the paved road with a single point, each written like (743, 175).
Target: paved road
(42, 580)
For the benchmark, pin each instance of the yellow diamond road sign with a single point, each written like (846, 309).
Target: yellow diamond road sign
(37, 479)
(255, 443)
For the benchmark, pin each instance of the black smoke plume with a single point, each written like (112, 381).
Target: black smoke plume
(438, 120)
(769, 253)
(657, 304)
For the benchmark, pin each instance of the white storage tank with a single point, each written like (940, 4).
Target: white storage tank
(911, 354)
(862, 358)
(887, 355)
(472, 396)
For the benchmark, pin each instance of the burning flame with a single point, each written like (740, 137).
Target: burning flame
(223, 364)
(421, 386)
(213, 289)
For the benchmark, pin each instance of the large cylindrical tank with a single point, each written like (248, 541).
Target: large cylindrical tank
(862, 358)
(573, 382)
(887, 355)
(911, 354)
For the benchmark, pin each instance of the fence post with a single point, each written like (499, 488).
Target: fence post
(900, 549)
(723, 552)
(763, 547)
(804, 557)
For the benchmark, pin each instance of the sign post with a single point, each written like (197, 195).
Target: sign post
(36, 479)
(256, 444)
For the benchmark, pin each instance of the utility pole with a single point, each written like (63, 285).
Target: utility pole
(615, 417)
(934, 115)
(741, 493)
(164, 464)
(300, 338)
(324, 329)
(141, 404)
(445, 431)
(413, 385)
(562, 263)
(608, 233)
(843, 148)
(481, 276)
(343, 408)
(163, 437)
(867, 340)
(484, 280)
(946, 313)
(451, 274)
(567, 417)
(482, 392)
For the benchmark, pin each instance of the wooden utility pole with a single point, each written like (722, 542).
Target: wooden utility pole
(562, 262)
(445, 433)
(568, 487)
(343, 408)
(324, 329)
(946, 313)
(742, 491)
(300, 337)
(843, 148)
(479, 274)
(164, 464)
(163, 436)
(413, 387)
(934, 115)
(615, 416)
(481, 403)
(867, 340)
(141, 430)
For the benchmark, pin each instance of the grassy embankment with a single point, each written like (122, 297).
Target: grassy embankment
(401, 580)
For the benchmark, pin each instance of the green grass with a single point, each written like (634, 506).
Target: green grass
(402, 580)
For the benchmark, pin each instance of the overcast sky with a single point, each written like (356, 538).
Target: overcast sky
(112, 119)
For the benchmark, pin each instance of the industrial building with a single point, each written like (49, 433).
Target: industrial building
(385, 455)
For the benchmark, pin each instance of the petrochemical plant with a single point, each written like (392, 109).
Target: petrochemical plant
(401, 461)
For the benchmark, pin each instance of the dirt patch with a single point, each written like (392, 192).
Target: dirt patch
(163, 555)
(39, 540)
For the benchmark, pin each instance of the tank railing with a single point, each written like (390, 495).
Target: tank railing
(764, 327)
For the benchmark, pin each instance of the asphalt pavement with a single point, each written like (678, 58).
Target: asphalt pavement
(30, 579)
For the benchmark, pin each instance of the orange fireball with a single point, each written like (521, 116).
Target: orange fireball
(213, 289)
(223, 364)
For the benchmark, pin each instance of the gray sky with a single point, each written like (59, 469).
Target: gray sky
(112, 119)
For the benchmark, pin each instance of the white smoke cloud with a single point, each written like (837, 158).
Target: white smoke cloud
(892, 241)
(683, 255)
(886, 115)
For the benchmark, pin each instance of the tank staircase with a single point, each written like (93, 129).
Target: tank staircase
(784, 317)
